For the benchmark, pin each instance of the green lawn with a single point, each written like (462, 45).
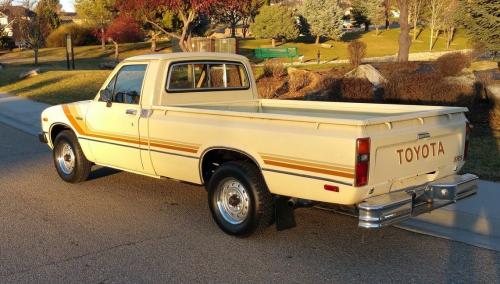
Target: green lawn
(55, 87)
(386, 43)
(56, 84)
(484, 154)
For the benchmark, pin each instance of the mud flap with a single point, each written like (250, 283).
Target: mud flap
(284, 213)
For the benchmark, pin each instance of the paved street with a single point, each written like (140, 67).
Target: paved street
(120, 227)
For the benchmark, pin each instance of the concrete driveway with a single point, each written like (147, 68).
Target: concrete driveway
(120, 227)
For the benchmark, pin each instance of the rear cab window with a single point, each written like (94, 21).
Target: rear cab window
(207, 76)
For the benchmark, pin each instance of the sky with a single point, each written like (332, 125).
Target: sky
(68, 5)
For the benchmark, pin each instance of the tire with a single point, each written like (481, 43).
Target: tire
(69, 160)
(239, 199)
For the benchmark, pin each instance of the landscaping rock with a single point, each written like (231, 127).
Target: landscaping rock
(367, 71)
(326, 45)
(425, 68)
(493, 92)
(29, 74)
(108, 65)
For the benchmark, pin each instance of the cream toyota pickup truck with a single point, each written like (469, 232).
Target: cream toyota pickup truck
(197, 118)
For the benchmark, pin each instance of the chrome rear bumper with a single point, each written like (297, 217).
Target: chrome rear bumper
(395, 207)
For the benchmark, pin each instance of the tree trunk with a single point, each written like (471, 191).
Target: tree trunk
(431, 39)
(367, 26)
(376, 30)
(451, 30)
(404, 34)
(233, 30)
(273, 42)
(153, 42)
(103, 39)
(117, 52)
(414, 29)
(35, 50)
(317, 39)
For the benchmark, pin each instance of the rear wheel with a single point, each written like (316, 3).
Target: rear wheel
(69, 160)
(239, 199)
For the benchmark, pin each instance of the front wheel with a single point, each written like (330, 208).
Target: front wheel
(69, 160)
(239, 199)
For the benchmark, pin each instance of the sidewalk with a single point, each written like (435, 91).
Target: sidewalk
(416, 56)
(21, 113)
(474, 220)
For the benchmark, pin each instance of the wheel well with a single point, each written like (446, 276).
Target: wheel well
(56, 129)
(216, 157)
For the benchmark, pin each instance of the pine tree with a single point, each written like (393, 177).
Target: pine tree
(324, 18)
(481, 19)
(275, 22)
(376, 13)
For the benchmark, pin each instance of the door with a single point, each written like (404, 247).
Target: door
(113, 125)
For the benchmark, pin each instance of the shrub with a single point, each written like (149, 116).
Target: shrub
(298, 80)
(124, 29)
(270, 87)
(7, 42)
(274, 68)
(357, 51)
(356, 89)
(81, 35)
(427, 88)
(451, 64)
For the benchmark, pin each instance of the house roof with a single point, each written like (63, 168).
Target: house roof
(16, 11)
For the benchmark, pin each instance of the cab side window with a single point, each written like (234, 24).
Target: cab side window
(126, 86)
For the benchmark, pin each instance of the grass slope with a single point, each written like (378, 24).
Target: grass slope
(386, 43)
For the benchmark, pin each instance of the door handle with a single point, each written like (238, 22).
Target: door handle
(131, 112)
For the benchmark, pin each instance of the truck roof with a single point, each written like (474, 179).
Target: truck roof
(189, 56)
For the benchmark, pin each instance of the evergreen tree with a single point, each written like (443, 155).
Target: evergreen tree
(359, 13)
(324, 18)
(97, 14)
(481, 19)
(376, 13)
(48, 15)
(275, 22)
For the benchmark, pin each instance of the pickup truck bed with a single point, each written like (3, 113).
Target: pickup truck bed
(326, 112)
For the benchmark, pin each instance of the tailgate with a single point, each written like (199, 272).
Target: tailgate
(432, 149)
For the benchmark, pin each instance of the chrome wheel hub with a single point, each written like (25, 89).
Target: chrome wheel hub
(65, 158)
(233, 201)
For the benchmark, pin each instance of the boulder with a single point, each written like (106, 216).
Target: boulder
(29, 74)
(326, 45)
(110, 65)
(367, 71)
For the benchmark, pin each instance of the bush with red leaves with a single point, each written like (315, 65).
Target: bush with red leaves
(124, 29)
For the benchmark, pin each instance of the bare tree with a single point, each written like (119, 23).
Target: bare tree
(415, 8)
(27, 28)
(404, 34)
(436, 8)
(449, 20)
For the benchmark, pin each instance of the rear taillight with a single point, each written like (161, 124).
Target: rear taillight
(467, 139)
(362, 161)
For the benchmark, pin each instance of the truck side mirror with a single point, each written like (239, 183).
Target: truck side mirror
(105, 96)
